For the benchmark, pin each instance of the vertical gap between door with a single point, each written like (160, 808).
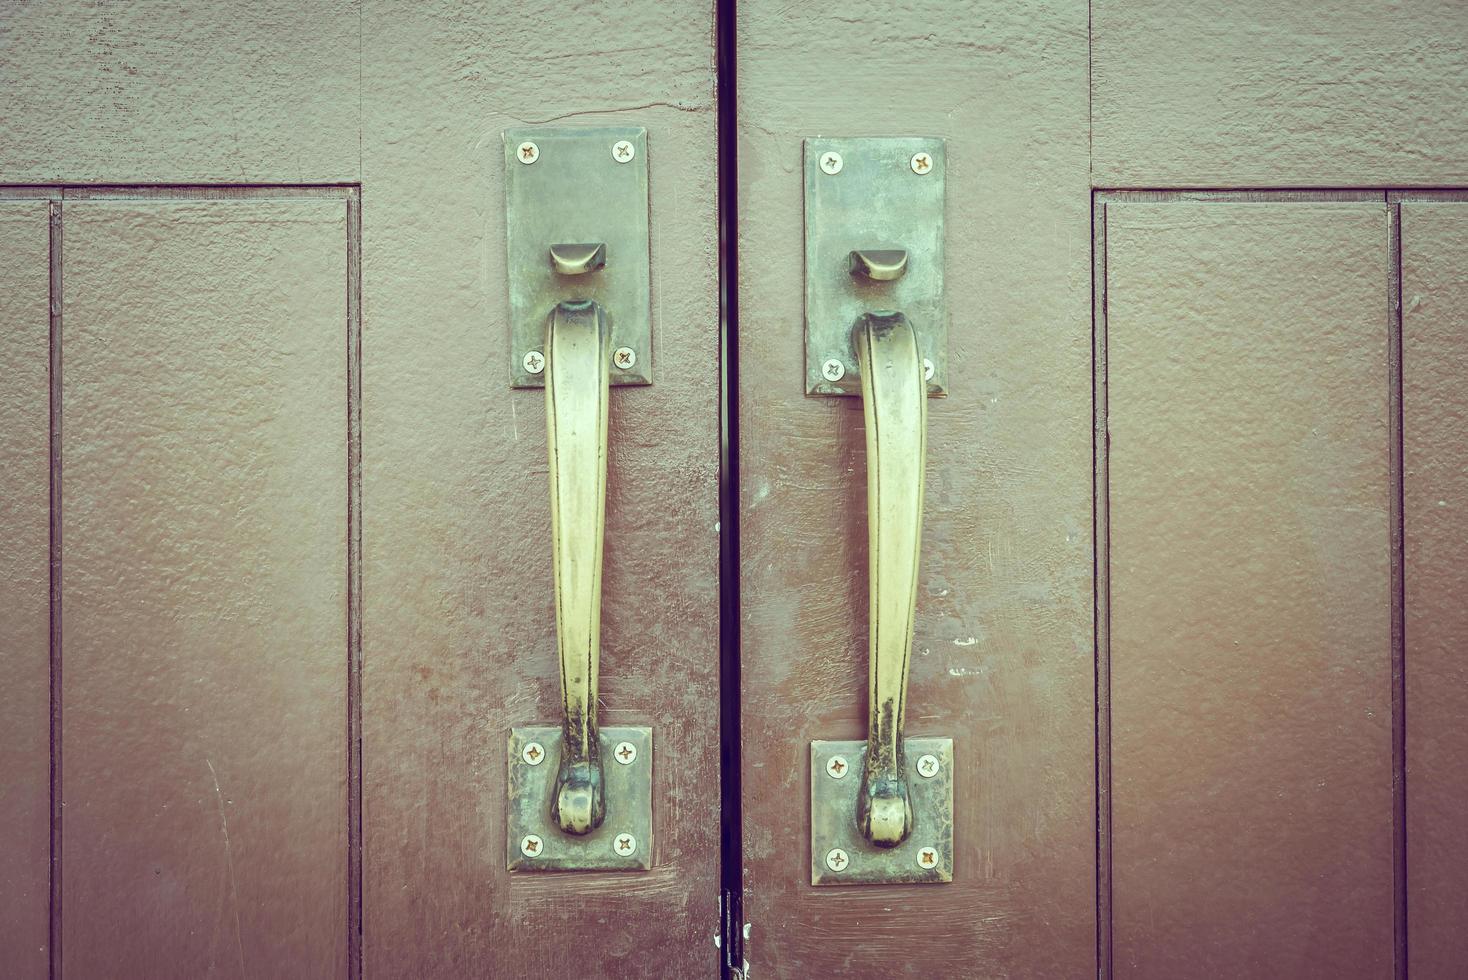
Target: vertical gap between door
(1398, 567)
(731, 824)
(1101, 530)
(354, 584)
(53, 928)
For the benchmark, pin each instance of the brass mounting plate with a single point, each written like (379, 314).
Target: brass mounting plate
(833, 818)
(578, 191)
(628, 791)
(876, 199)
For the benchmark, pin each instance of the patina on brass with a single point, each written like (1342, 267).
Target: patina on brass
(833, 800)
(576, 227)
(873, 240)
(577, 376)
(878, 264)
(872, 820)
(578, 259)
(627, 788)
(896, 408)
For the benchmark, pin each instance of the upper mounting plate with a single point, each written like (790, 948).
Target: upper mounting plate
(864, 194)
(578, 185)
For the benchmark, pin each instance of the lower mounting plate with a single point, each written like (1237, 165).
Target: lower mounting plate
(839, 855)
(533, 842)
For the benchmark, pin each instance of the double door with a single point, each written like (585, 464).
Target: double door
(278, 603)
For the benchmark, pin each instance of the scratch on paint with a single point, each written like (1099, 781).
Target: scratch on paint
(964, 643)
(229, 864)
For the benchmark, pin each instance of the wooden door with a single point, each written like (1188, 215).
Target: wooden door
(275, 581)
(1190, 571)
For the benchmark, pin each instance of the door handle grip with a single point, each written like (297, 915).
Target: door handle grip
(895, 404)
(577, 378)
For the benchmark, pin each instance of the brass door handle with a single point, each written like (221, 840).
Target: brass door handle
(878, 264)
(895, 403)
(577, 379)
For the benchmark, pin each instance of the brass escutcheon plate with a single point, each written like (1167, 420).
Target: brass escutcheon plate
(833, 818)
(578, 191)
(875, 200)
(628, 790)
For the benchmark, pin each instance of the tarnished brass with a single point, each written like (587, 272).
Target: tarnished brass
(577, 375)
(580, 189)
(872, 821)
(576, 228)
(627, 788)
(873, 241)
(896, 409)
(833, 793)
(577, 260)
(878, 264)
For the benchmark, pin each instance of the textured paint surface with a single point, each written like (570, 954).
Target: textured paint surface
(25, 673)
(459, 628)
(1435, 518)
(1002, 657)
(1257, 93)
(203, 584)
(1250, 589)
(239, 91)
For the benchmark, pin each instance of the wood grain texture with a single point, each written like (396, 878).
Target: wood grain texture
(459, 627)
(1255, 93)
(25, 700)
(1250, 589)
(204, 576)
(1003, 646)
(1435, 529)
(172, 91)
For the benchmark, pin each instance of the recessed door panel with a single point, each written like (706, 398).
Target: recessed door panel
(1250, 588)
(203, 588)
(25, 663)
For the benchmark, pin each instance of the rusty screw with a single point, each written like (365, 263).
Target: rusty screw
(833, 370)
(922, 162)
(533, 753)
(527, 152)
(927, 766)
(831, 162)
(625, 845)
(531, 846)
(625, 753)
(623, 151)
(624, 358)
(837, 767)
(533, 361)
(837, 859)
(927, 858)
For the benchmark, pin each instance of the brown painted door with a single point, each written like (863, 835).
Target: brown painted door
(275, 536)
(1191, 590)
(276, 575)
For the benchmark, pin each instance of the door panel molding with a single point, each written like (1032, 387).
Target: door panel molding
(54, 197)
(1395, 665)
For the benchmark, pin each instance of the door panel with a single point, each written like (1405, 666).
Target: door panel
(459, 624)
(1250, 583)
(1226, 93)
(1435, 518)
(25, 701)
(1002, 658)
(204, 477)
(231, 91)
